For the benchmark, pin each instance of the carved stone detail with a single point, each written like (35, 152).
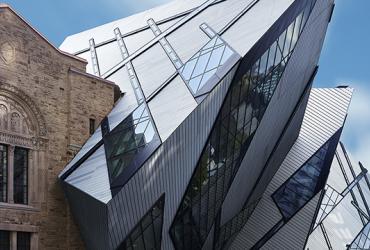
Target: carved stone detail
(7, 52)
(14, 119)
(10, 92)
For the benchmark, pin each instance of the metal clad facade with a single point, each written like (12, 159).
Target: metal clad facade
(184, 123)
(297, 73)
(171, 106)
(325, 114)
(91, 217)
(293, 234)
(169, 168)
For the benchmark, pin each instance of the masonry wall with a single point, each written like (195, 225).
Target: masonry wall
(66, 98)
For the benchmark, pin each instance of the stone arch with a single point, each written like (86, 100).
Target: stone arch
(21, 113)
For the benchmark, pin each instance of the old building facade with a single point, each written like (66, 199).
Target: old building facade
(48, 108)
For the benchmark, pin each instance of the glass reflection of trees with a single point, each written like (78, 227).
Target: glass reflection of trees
(235, 126)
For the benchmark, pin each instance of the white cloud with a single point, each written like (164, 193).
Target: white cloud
(128, 7)
(356, 134)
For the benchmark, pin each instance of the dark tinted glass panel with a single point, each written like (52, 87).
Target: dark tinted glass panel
(20, 175)
(124, 142)
(301, 186)
(4, 240)
(235, 126)
(233, 226)
(3, 173)
(23, 241)
(147, 234)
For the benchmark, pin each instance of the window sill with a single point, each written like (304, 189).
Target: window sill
(4, 205)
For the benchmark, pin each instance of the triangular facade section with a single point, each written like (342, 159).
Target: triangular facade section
(147, 234)
(307, 181)
(237, 122)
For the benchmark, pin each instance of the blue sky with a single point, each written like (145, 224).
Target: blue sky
(344, 58)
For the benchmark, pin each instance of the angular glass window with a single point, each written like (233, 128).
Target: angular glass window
(3, 173)
(243, 109)
(204, 64)
(147, 234)
(330, 199)
(333, 197)
(233, 226)
(20, 175)
(309, 179)
(23, 241)
(130, 142)
(362, 240)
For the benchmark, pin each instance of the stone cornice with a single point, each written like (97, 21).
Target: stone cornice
(22, 141)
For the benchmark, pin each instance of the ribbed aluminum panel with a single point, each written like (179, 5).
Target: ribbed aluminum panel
(325, 114)
(185, 127)
(127, 103)
(166, 25)
(190, 31)
(108, 56)
(92, 176)
(104, 32)
(137, 40)
(250, 27)
(153, 68)
(171, 106)
(296, 76)
(89, 144)
(167, 171)
(90, 215)
(299, 226)
(282, 148)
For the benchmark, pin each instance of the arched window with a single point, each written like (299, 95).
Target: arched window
(14, 158)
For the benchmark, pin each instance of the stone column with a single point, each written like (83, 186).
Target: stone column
(11, 174)
(13, 240)
(34, 241)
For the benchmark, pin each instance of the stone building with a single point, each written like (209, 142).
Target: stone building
(49, 106)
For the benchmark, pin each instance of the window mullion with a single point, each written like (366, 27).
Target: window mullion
(13, 239)
(10, 195)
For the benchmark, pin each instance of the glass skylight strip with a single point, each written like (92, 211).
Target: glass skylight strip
(121, 43)
(175, 59)
(129, 67)
(207, 30)
(94, 57)
(362, 240)
(326, 208)
(204, 64)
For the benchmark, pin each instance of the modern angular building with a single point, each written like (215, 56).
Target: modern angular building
(217, 141)
(343, 219)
